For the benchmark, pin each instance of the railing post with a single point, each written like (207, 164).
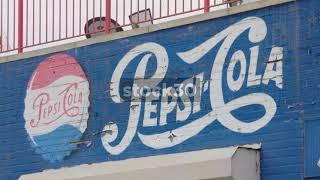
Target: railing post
(206, 5)
(108, 16)
(20, 26)
(0, 43)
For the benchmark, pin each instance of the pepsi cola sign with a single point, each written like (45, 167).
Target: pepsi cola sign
(221, 109)
(57, 100)
(56, 106)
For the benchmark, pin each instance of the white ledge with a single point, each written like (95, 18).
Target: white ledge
(231, 163)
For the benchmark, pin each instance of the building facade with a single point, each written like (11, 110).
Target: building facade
(237, 77)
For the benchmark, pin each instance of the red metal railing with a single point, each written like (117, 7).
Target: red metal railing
(27, 24)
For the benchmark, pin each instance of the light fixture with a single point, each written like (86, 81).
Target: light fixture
(141, 18)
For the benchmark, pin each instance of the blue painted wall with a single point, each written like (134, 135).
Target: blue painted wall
(290, 141)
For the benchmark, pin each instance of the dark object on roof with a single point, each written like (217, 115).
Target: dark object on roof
(232, 4)
(97, 26)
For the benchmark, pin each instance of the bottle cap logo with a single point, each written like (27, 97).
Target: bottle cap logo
(56, 106)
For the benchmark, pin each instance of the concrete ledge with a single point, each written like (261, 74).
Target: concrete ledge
(152, 28)
(230, 163)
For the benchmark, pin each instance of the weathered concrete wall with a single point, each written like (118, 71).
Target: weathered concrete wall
(257, 73)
